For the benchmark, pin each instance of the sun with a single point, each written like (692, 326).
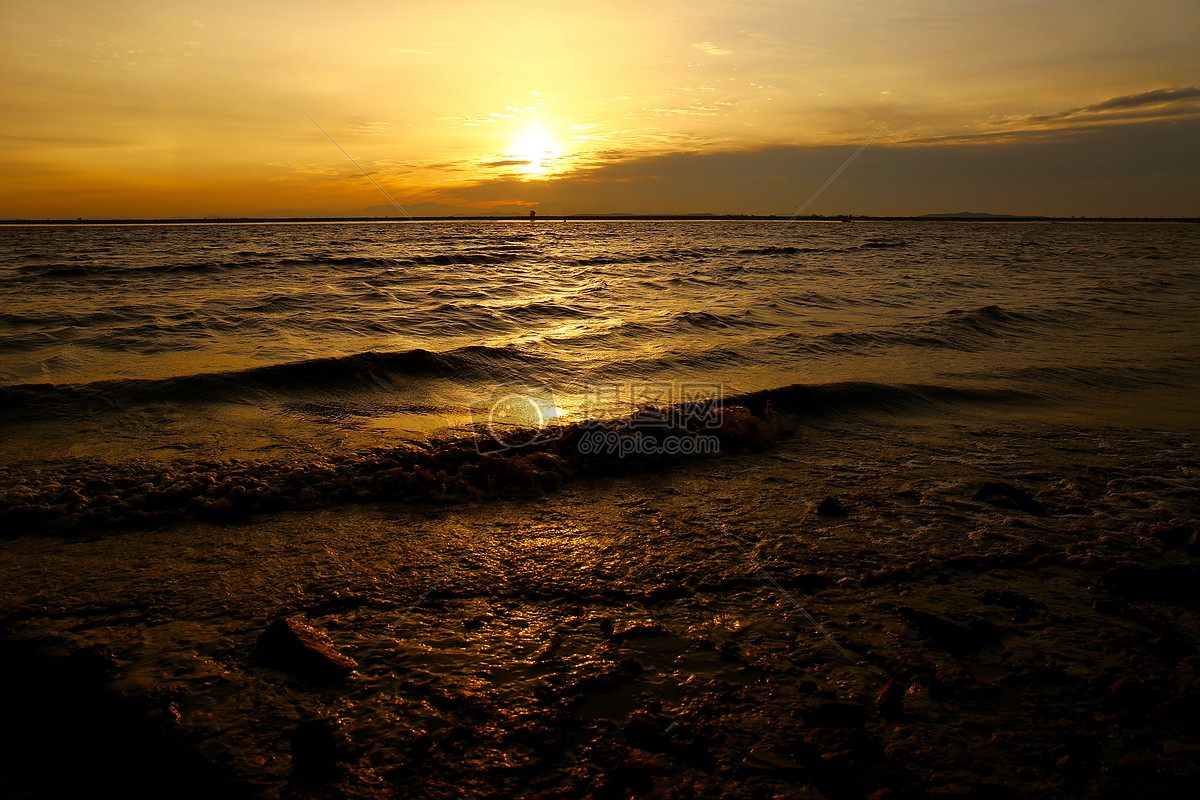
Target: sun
(537, 148)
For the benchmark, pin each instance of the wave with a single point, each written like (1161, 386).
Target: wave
(542, 310)
(710, 320)
(1171, 373)
(54, 318)
(109, 270)
(786, 250)
(876, 243)
(855, 397)
(366, 371)
(449, 259)
(968, 331)
(651, 257)
(471, 466)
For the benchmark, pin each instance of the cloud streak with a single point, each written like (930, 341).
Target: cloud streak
(1163, 99)
(711, 49)
(1151, 98)
(1103, 173)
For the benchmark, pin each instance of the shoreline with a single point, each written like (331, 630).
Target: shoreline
(71, 495)
(1038, 640)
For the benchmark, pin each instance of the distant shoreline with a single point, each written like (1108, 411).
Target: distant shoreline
(987, 218)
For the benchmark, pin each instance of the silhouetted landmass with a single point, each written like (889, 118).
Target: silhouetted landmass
(962, 216)
(968, 215)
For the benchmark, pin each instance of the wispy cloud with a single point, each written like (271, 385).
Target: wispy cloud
(1170, 100)
(1152, 98)
(55, 140)
(374, 128)
(1034, 173)
(711, 49)
(412, 51)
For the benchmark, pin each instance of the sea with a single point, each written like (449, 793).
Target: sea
(955, 494)
(304, 339)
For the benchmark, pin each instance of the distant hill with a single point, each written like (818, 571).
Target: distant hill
(967, 215)
(414, 210)
(440, 210)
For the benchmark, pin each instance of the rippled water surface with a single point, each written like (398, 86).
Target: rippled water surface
(165, 339)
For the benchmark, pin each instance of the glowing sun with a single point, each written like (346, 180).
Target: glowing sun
(537, 148)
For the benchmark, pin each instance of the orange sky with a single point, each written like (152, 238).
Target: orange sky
(160, 109)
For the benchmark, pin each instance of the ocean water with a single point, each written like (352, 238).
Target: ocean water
(1004, 413)
(167, 341)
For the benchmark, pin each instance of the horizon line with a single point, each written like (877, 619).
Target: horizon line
(962, 216)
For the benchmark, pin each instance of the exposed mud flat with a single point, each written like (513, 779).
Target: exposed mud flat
(1005, 609)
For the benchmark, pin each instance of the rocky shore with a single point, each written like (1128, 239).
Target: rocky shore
(889, 608)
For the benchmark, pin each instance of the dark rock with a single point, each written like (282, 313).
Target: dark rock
(219, 509)
(837, 714)
(645, 734)
(447, 698)
(846, 763)
(476, 622)
(1079, 758)
(421, 744)
(1177, 583)
(303, 651)
(805, 581)
(456, 736)
(71, 731)
(731, 583)
(1131, 695)
(319, 749)
(1003, 495)
(832, 507)
(92, 664)
(694, 744)
(1010, 599)
(730, 651)
(1173, 535)
(637, 770)
(890, 701)
(970, 791)
(952, 636)
(1020, 607)
(1136, 770)
(631, 666)
(1172, 647)
(1184, 710)
(638, 630)
(765, 760)
(604, 679)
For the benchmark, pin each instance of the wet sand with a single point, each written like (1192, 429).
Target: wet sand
(1006, 608)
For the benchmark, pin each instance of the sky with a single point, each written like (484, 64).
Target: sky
(126, 108)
